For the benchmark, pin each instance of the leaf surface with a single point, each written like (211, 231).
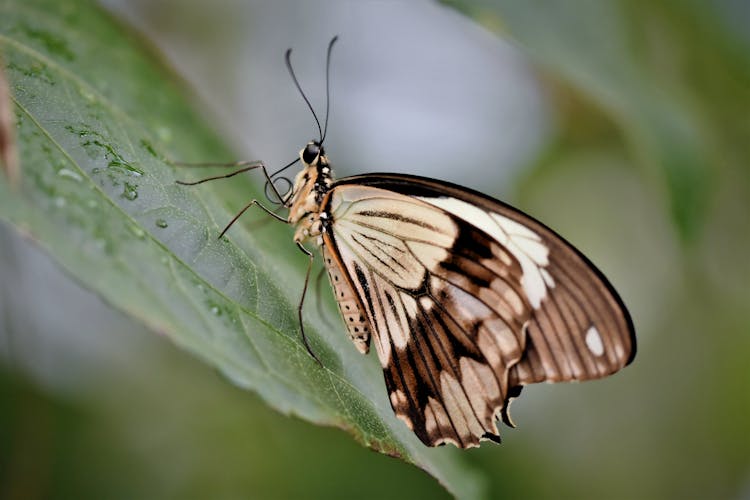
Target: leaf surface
(97, 118)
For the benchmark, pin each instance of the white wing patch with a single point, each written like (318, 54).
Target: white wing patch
(398, 400)
(594, 341)
(525, 245)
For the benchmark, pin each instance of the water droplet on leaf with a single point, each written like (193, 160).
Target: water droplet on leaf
(137, 231)
(69, 174)
(130, 192)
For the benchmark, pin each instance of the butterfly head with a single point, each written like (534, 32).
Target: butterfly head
(315, 161)
(311, 184)
(311, 153)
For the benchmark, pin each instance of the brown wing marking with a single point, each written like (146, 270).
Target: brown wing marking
(579, 328)
(435, 383)
(447, 313)
(578, 332)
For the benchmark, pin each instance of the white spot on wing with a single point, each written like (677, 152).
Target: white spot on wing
(525, 245)
(399, 403)
(426, 304)
(594, 341)
(398, 398)
(400, 327)
(405, 419)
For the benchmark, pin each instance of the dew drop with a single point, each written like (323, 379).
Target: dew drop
(130, 192)
(137, 231)
(69, 174)
(215, 310)
(161, 223)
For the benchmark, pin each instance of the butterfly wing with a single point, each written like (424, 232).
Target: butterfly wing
(469, 299)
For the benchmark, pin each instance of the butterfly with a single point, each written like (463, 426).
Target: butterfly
(466, 299)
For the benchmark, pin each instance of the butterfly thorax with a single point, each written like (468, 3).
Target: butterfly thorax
(310, 186)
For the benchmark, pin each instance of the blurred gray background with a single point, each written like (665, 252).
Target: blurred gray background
(416, 88)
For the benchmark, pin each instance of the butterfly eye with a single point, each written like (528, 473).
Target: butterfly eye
(310, 153)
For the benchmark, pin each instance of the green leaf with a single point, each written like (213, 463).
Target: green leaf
(605, 51)
(96, 119)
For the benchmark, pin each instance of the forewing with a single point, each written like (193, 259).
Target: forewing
(446, 305)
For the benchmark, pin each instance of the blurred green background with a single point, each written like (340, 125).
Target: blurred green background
(623, 125)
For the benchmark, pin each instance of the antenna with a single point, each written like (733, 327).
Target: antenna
(296, 82)
(328, 85)
(324, 130)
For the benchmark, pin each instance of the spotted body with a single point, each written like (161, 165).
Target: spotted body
(352, 311)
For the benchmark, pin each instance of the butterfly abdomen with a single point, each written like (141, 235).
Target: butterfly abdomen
(357, 325)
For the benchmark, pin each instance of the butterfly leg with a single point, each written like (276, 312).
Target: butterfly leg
(244, 209)
(246, 166)
(302, 301)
